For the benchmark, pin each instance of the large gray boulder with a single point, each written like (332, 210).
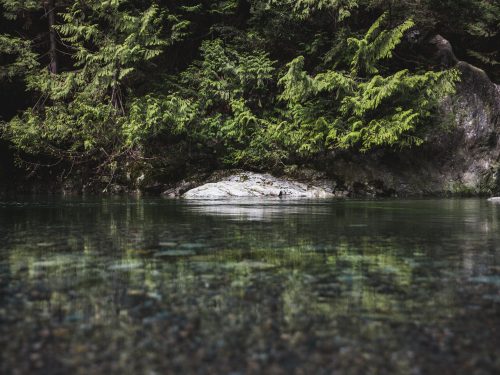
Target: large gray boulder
(462, 158)
(248, 184)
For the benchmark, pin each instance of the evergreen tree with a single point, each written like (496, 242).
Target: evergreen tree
(81, 113)
(122, 85)
(361, 108)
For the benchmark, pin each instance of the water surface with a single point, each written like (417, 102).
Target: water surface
(151, 286)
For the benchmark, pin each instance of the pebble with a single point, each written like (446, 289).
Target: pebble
(193, 245)
(125, 266)
(167, 244)
(45, 244)
(174, 253)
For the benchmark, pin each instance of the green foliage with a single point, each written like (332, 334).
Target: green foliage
(82, 114)
(228, 87)
(22, 59)
(360, 108)
(376, 45)
(12, 8)
(341, 9)
(486, 26)
(76, 131)
(256, 84)
(131, 39)
(152, 115)
(472, 25)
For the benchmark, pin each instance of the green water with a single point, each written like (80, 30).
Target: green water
(155, 286)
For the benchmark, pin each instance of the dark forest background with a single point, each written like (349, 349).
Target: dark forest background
(131, 92)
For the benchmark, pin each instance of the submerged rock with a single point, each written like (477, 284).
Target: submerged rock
(125, 266)
(174, 253)
(248, 184)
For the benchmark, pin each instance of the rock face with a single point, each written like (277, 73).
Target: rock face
(248, 184)
(463, 160)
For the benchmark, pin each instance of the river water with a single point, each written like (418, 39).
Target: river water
(152, 286)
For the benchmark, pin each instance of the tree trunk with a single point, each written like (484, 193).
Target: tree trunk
(51, 12)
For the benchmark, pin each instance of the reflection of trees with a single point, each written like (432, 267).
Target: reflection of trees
(91, 268)
(354, 243)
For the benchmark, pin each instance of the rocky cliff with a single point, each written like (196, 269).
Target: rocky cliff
(463, 160)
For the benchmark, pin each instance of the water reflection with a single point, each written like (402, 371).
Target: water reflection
(153, 286)
(256, 208)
